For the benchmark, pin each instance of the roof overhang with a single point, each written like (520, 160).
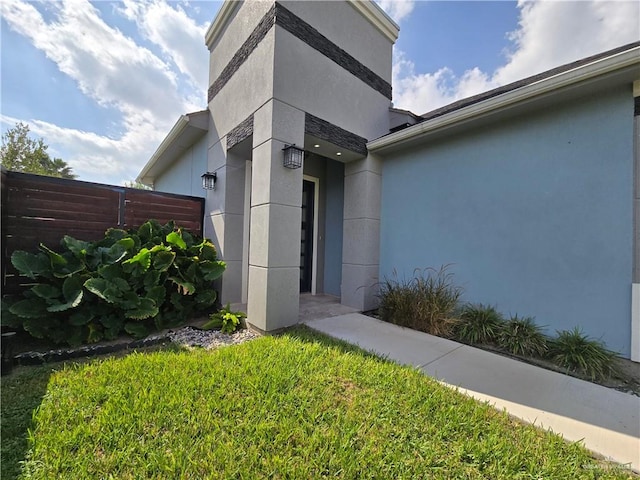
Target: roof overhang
(623, 67)
(187, 130)
(219, 23)
(377, 17)
(368, 9)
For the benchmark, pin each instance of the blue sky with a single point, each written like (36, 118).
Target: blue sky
(86, 76)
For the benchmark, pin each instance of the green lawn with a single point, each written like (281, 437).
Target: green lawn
(299, 406)
(20, 394)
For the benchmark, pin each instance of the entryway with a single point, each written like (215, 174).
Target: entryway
(308, 234)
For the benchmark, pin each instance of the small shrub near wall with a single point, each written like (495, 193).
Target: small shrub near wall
(428, 302)
(155, 277)
(577, 353)
(479, 324)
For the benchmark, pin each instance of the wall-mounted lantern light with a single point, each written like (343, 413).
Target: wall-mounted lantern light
(292, 157)
(209, 180)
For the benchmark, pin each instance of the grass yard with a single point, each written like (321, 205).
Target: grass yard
(299, 406)
(20, 395)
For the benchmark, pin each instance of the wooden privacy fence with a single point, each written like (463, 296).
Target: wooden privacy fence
(37, 209)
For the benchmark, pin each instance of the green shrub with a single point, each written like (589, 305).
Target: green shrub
(479, 324)
(428, 302)
(576, 352)
(153, 277)
(521, 336)
(225, 320)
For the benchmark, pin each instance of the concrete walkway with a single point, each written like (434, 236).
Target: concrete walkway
(606, 420)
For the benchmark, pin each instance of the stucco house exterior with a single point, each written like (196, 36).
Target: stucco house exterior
(530, 192)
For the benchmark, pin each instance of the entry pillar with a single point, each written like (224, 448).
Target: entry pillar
(361, 239)
(224, 222)
(274, 237)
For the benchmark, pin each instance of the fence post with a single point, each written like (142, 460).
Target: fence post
(122, 205)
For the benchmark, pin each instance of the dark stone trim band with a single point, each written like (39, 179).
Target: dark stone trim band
(250, 44)
(636, 107)
(332, 133)
(240, 133)
(279, 15)
(312, 37)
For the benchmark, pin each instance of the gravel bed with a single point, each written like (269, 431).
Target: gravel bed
(194, 337)
(186, 336)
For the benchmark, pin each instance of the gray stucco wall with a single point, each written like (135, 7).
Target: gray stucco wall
(336, 20)
(184, 175)
(534, 214)
(248, 89)
(246, 17)
(333, 228)
(312, 82)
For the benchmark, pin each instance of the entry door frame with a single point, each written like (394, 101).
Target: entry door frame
(246, 225)
(314, 257)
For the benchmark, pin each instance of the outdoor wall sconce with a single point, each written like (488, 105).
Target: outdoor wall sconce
(292, 156)
(209, 180)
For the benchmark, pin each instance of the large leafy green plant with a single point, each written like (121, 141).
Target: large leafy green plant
(151, 278)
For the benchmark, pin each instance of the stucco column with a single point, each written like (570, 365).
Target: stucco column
(276, 199)
(361, 234)
(225, 215)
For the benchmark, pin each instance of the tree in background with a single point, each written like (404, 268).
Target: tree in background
(136, 184)
(21, 153)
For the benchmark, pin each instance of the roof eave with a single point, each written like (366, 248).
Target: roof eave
(601, 67)
(217, 26)
(147, 175)
(377, 17)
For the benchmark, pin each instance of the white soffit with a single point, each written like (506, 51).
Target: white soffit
(626, 59)
(377, 17)
(185, 130)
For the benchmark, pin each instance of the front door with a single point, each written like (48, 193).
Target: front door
(306, 235)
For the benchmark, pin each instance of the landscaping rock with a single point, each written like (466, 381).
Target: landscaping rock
(195, 337)
(187, 336)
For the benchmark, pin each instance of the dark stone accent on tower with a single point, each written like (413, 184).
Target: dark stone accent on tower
(250, 44)
(240, 133)
(312, 37)
(332, 133)
(279, 15)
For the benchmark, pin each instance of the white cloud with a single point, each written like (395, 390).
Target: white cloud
(397, 9)
(98, 57)
(179, 37)
(549, 34)
(95, 157)
(422, 92)
(114, 71)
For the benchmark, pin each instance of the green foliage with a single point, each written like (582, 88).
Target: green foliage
(225, 320)
(576, 352)
(20, 153)
(154, 277)
(428, 302)
(521, 336)
(137, 185)
(479, 324)
(298, 406)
